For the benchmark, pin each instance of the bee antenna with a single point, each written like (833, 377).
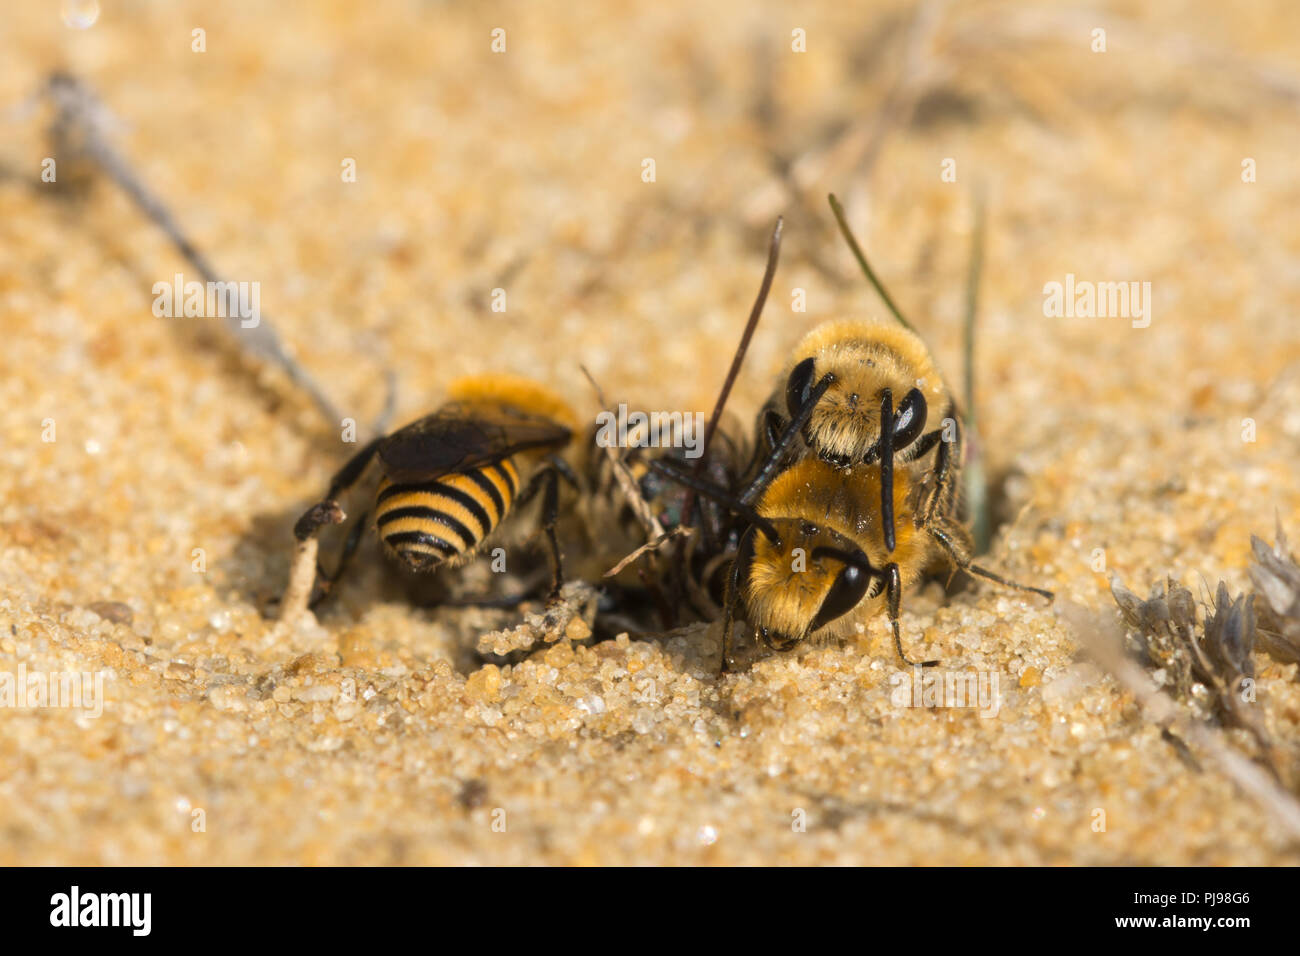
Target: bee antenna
(787, 439)
(887, 467)
(723, 497)
(737, 360)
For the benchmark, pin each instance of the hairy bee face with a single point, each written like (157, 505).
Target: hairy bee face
(788, 593)
(845, 426)
(823, 573)
(866, 359)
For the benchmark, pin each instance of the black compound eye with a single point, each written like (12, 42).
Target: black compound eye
(845, 594)
(799, 386)
(744, 559)
(909, 419)
(909, 422)
(773, 426)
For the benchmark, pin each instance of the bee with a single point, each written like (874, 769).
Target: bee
(646, 502)
(448, 483)
(875, 411)
(819, 555)
(655, 498)
(654, 510)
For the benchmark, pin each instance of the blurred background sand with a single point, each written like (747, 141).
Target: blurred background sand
(372, 737)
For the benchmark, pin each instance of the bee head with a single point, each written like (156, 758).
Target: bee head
(845, 427)
(806, 579)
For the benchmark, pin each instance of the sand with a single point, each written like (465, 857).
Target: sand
(150, 480)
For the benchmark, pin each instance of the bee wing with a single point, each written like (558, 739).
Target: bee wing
(459, 437)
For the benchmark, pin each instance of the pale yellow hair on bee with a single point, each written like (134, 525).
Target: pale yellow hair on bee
(516, 392)
(880, 333)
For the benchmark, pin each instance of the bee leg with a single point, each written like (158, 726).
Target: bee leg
(962, 560)
(557, 468)
(350, 473)
(729, 615)
(325, 580)
(302, 571)
(781, 643)
(728, 622)
(772, 464)
(919, 449)
(550, 514)
(327, 510)
(893, 592)
(944, 473)
(547, 480)
(568, 474)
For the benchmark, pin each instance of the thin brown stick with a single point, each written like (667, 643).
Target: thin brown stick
(302, 578)
(626, 483)
(81, 128)
(649, 548)
(773, 254)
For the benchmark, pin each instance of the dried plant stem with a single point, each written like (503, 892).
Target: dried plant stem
(626, 483)
(977, 497)
(1100, 635)
(648, 548)
(865, 266)
(80, 129)
(302, 578)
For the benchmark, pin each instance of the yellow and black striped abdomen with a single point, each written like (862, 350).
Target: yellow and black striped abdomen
(428, 523)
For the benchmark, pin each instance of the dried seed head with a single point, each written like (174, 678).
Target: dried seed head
(1230, 635)
(1276, 577)
(1200, 665)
